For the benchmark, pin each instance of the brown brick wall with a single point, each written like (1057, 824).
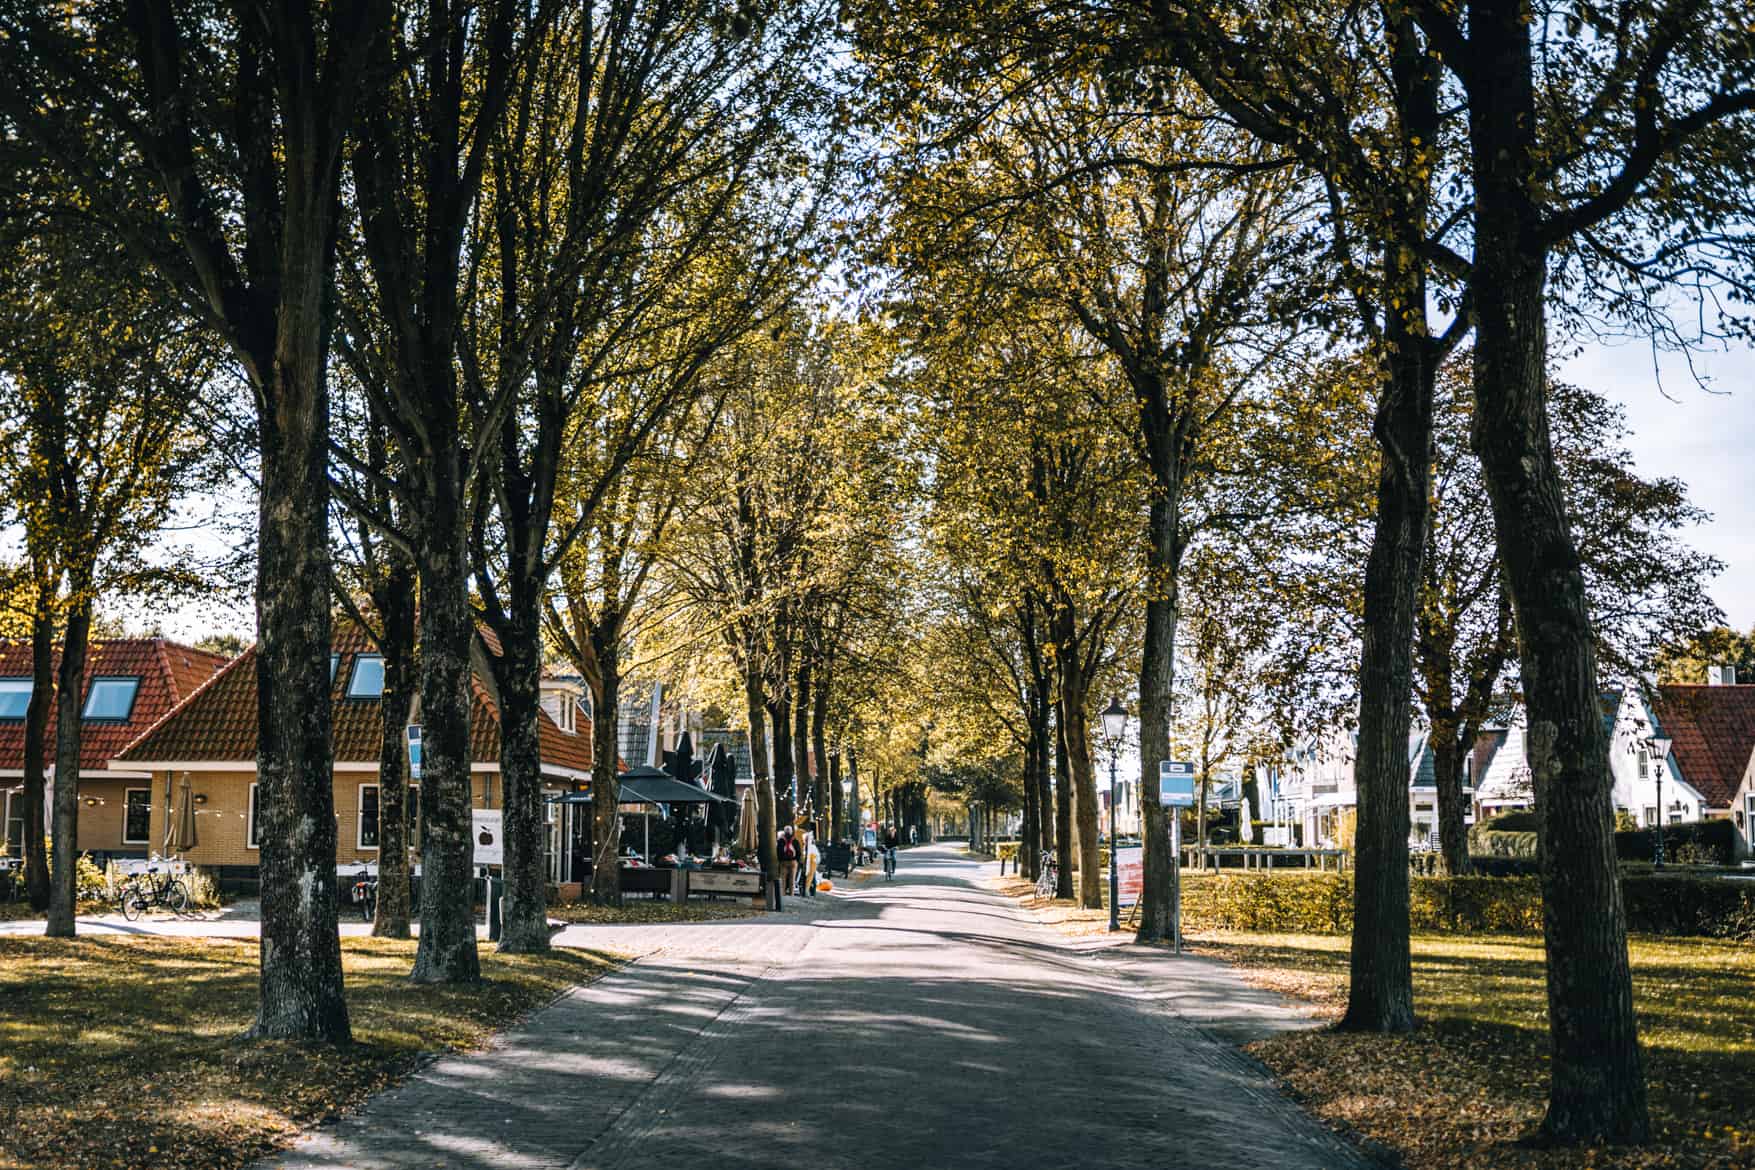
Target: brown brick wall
(221, 823)
(100, 824)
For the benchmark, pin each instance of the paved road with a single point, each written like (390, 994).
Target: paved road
(920, 1023)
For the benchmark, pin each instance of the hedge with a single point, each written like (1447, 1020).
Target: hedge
(1700, 842)
(1696, 842)
(1323, 904)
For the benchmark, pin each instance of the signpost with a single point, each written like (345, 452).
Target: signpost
(414, 751)
(1176, 792)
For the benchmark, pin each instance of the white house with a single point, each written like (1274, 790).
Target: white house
(1319, 785)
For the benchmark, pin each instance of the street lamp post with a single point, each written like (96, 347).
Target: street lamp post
(1660, 751)
(1114, 728)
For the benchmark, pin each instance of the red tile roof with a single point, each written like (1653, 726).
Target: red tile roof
(168, 673)
(1712, 732)
(218, 723)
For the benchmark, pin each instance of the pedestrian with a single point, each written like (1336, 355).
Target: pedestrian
(788, 849)
(913, 834)
(812, 859)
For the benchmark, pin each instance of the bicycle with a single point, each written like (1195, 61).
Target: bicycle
(1050, 875)
(890, 863)
(142, 893)
(365, 895)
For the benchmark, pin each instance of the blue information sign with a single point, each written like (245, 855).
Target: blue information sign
(1175, 784)
(414, 751)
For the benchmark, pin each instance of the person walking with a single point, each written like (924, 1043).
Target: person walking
(788, 850)
(812, 859)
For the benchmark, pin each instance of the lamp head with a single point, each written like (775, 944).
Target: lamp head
(1114, 723)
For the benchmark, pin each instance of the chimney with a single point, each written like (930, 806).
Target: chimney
(1721, 676)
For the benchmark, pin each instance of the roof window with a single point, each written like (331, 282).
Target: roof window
(111, 699)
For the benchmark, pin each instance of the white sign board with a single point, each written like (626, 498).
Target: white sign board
(485, 832)
(1175, 784)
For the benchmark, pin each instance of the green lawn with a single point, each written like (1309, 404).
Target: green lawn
(125, 1052)
(1462, 1090)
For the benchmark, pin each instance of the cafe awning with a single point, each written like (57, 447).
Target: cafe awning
(646, 785)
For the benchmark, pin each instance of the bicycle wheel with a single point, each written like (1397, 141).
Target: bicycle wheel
(177, 897)
(132, 904)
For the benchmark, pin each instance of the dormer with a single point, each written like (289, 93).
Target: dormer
(560, 699)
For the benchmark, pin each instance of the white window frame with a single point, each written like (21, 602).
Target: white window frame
(250, 798)
(359, 820)
(353, 675)
(91, 693)
(1649, 814)
(30, 686)
(127, 807)
(12, 807)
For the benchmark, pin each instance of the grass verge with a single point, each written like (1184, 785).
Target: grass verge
(1462, 1090)
(636, 910)
(126, 1052)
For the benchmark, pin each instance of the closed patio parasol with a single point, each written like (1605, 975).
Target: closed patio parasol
(746, 822)
(183, 824)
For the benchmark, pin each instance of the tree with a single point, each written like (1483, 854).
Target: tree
(1687, 660)
(1610, 165)
(643, 211)
(209, 138)
(97, 375)
(1645, 587)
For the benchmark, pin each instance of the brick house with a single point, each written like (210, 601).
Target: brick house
(211, 738)
(130, 683)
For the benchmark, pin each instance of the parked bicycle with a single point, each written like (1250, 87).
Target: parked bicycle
(365, 894)
(143, 892)
(1049, 875)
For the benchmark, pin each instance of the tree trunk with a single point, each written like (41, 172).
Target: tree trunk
(447, 952)
(785, 778)
(825, 803)
(524, 927)
(1448, 751)
(64, 878)
(766, 812)
(301, 984)
(1380, 994)
(1597, 1091)
(855, 823)
(1027, 861)
(801, 761)
(1158, 655)
(837, 809)
(1200, 810)
(1063, 813)
(36, 746)
(606, 818)
(1045, 784)
(1078, 745)
(395, 605)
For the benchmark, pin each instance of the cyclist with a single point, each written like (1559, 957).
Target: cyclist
(891, 840)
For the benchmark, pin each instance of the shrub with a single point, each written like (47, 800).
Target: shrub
(1709, 842)
(1671, 904)
(1662, 903)
(1503, 843)
(1523, 821)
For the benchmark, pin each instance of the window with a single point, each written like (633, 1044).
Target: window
(14, 697)
(15, 823)
(254, 836)
(137, 817)
(1650, 817)
(1644, 764)
(368, 677)
(367, 833)
(334, 665)
(111, 699)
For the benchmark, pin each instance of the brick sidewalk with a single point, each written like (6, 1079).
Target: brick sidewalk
(920, 1023)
